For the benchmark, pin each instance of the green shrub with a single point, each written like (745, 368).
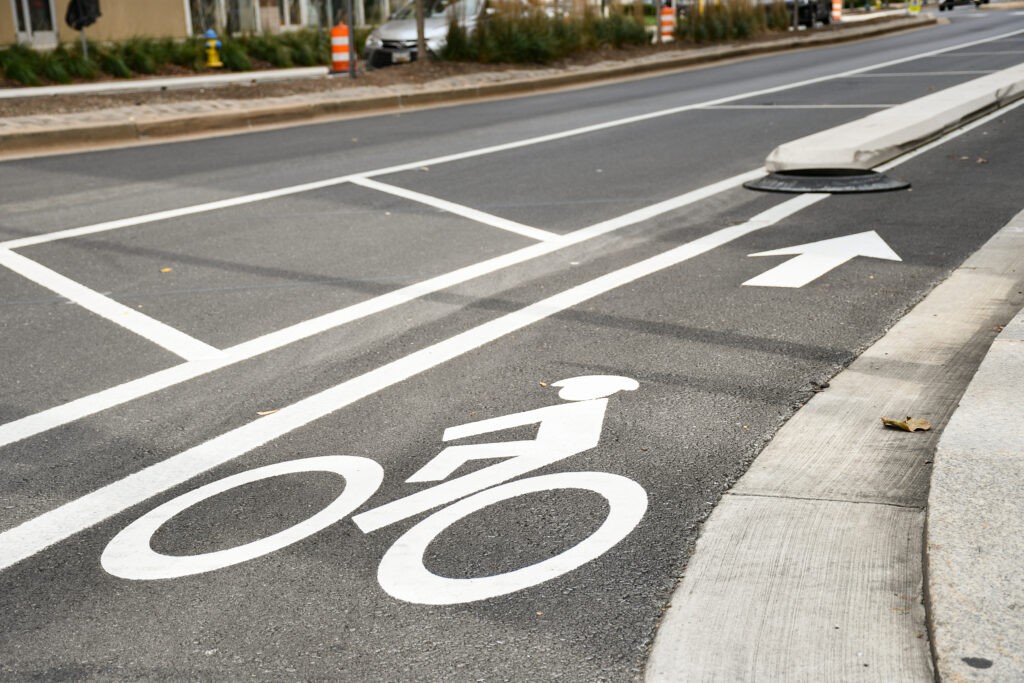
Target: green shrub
(142, 56)
(21, 64)
(778, 18)
(234, 57)
(54, 70)
(514, 36)
(729, 20)
(112, 62)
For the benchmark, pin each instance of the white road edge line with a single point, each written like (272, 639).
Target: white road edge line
(50, 418)
(458, 210)
(482, 151)
(51, 527)
(161, 334)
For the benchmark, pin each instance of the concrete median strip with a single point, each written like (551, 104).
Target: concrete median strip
(885, 135)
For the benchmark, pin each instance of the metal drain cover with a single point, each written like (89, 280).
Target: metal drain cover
(830, 180)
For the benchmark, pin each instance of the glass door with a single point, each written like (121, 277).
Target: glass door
(33, 20)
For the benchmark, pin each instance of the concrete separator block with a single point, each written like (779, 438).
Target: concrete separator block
(885, 135)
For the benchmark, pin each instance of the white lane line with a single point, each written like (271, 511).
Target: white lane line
(143, 386)
(1018, 53)
(482, 151)
(458, 210)
(800, 106)
(163, 335)
(39, 533)
(168, 214)
(926, 73)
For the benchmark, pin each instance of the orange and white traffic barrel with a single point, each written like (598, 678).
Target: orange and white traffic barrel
(339, 49)
(668, 23)
(837, 10)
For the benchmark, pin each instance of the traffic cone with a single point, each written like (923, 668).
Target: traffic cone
(668, 23)
(339, 49)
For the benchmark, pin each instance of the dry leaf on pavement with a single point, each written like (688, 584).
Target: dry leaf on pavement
(910, 424)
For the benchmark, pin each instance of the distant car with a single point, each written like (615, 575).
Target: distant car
(394, 42)
(949, 4)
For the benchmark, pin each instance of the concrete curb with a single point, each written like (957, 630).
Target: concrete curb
(885, 135)
(974, 544)
(126, 124)
(810, 567)
(175, 83)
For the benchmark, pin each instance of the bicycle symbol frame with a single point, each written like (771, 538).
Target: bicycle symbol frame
(564, 430)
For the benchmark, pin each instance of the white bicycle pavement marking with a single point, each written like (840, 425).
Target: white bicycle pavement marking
(51, 527)
(469, 154)
(564, 430)
(50, 418)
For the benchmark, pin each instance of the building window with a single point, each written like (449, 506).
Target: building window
(34, 21)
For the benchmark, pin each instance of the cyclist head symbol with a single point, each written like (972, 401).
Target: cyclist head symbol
(589, 387)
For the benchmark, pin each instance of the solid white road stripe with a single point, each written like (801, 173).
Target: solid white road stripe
(163, 335)
(170, 213)
(306, 187)
(801, 106)
(108, 398)
(927, 73)
(458, 210)
(54, 526)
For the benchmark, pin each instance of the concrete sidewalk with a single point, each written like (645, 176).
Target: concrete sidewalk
(26, 135)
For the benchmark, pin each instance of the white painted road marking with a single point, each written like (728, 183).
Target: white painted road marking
(130, 556)
(39, 533)
(817, 258)
(564, 430)
(161, 334)
(458, 210)
(157, 381)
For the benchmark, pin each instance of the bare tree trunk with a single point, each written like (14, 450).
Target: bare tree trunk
(421, 41)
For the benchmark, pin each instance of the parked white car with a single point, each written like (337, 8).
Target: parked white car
(394, 42)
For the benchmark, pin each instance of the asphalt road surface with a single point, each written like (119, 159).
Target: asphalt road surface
(215, 353)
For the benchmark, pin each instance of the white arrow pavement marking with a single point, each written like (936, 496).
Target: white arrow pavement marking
(817, 258)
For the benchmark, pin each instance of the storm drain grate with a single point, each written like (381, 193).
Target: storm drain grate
(829, 180)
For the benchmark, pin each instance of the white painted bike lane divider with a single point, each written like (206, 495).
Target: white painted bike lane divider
(163, 379)
(43, 531)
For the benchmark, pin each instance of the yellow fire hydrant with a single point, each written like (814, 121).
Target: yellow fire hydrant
(212, 56)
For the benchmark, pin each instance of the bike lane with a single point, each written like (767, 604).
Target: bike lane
(719, 367)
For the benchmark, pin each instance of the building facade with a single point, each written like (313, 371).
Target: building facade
(40, 23)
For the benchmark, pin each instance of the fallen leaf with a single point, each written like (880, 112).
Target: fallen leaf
(910, 424)
(261, 413)
(543, 384)
(166, 270)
